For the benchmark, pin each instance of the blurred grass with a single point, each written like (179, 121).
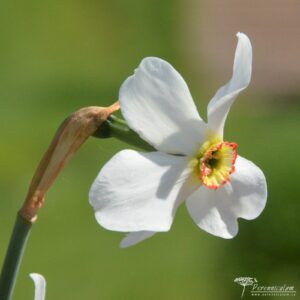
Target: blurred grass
(58, 56)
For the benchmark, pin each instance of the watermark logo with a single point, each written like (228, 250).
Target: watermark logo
(264, 290)
(245, 281)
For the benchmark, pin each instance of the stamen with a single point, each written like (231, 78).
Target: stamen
(216, 164)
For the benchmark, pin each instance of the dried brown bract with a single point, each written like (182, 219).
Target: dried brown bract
(71, 134)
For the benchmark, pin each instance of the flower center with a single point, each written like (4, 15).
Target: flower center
(216, 163)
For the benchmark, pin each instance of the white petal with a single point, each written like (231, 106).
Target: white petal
(157, 104)
(219, 105)
(216, 211)
(40, 286)
(140, 191)
(133, 238)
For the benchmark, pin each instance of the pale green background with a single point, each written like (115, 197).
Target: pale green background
(58, 56)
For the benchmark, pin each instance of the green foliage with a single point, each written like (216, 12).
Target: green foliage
(58, 56)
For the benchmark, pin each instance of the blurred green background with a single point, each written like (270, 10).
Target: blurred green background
(59, 56)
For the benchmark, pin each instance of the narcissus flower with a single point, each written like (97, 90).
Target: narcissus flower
(140, 192)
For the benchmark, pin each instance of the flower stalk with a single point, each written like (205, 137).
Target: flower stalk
(118, 128)
(71, 134)
(13, 257)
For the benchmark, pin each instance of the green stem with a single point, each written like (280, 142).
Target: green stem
(118, 128)
(113, 127)
(13, 257)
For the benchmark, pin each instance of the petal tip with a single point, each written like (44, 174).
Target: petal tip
(241, 35)
(125, 244)
(244, 37)
(134, 238)
(37, 276)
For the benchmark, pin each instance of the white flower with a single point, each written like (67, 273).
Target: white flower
(39, 286)
(139, 192)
